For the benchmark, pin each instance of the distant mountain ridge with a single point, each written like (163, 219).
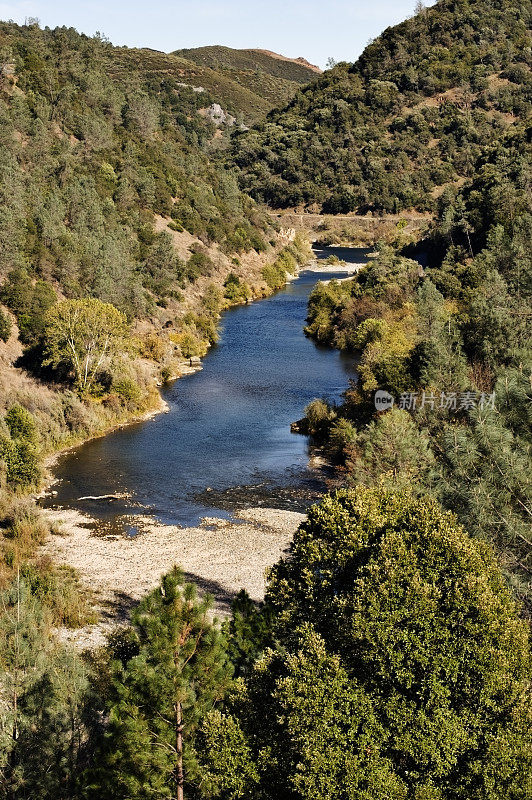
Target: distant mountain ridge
(296, 70)
(298, 60)
(273, 79)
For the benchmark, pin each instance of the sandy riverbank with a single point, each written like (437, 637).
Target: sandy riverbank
(220, 556)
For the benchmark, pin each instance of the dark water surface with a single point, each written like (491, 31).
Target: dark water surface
(228, 425)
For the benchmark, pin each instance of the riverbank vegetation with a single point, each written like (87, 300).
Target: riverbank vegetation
(451, 343)
(387, 626)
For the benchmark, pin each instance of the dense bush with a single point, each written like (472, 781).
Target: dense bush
(18, 448)
(401, 668)
(236, 290)
(412, 622)
(5, 327)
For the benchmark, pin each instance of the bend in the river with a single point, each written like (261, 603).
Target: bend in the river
(228, 426)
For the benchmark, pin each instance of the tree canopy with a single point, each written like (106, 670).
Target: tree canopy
(83, 333)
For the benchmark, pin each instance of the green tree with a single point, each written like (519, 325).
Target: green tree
(29, 300)
(161, 696)
(236, 290)
(484, 473)
(19, 450)
(437, 359)
(83, 334)
(249, 631)
(21, 424)
(5, 327)
(227, 765)
(392, 449)
(421, 617)
(44, 712)
(311, 728)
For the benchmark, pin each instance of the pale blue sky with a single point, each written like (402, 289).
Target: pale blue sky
(315, 29)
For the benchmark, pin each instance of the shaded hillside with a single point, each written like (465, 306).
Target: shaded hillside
(271, 77)
(242, 95)
(289, 69)
(407, 119)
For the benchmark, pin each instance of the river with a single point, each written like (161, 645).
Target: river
(228, 426)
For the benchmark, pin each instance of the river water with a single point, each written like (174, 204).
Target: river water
(228, 426)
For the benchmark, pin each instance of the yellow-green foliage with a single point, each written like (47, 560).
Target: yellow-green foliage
(236, 290)
(285, 264)
(385, 347)
(22, 530)
(189, 342)
(318, 415)
(375, 315)
(86, 335)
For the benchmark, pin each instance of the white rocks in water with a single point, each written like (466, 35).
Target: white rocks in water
(217, 522)
(217, 115)
(195, 361)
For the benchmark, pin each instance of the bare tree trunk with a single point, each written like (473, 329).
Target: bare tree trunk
(469, 242)
(180, 778)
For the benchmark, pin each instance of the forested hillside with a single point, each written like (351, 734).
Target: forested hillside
(271, 77)
(409, 118)
(451, 344)
(96, 142)
(121, 238)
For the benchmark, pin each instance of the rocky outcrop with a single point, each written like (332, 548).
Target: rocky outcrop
(217, 115)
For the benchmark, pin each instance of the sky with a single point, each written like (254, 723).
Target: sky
(314, 29)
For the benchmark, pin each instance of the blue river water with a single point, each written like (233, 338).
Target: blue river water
(228, 425)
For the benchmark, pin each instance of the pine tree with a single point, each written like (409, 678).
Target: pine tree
(161, 695)
(392, 450)
(43, 704)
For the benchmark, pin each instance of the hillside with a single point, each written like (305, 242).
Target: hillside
(113, 211)
(248, 96)
(408, 119)
(96, 144)
(295, 70)
(273, 78)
